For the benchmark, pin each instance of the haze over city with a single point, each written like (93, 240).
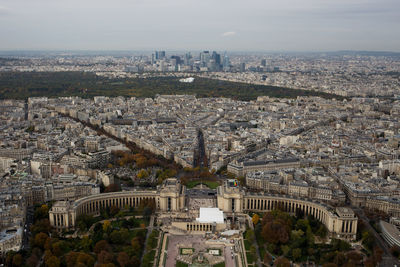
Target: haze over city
(233, 25)
(183, 133)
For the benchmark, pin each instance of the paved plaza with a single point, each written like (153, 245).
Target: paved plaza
(198, 243)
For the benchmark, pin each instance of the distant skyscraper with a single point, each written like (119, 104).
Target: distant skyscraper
(263, 62)
(177, 58)
(204, 58)
(160, 55)
(188, 57)
(226, 64)
(242, 67)
(217, 59)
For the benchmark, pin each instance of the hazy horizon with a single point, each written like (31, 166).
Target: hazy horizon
(189, 25)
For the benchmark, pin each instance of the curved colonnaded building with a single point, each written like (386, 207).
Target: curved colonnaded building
(231, 199)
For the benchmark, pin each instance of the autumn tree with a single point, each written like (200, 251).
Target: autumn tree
(296, 253)
(85, 259)
(275, 232)
(104, 257)
(112, 188)
(42, 212)
(123, 259)
(135, 261)
(17, 260)
(106, 226)
(255, 218)
(142, 174)
(40, 240)
(42, 225)
(101, 245)
(282, 262)
(136, 243)
(32, 261)
(53, 261)
(267, 259)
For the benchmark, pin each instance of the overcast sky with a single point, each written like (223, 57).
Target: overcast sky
(233, 25)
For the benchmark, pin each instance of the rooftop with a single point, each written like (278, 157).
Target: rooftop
(210, 215)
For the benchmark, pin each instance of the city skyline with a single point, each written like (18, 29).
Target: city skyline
(189, 25)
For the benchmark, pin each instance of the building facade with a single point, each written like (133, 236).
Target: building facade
(231, 199)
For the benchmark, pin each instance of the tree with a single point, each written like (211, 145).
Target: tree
(123, 259)
(53, 261)
(40, 240)
(71, 258)
(59, 248)
(255, 218)
(86, 243)
(84, 221)
(100, 246)
(136, 244)
(106, 226)
(142, 174)
(85, 259)
(32, 261)
(42, 212)
(275, 232)
(104, 257)
(354, 257)
(42, 225)
(282, 262)
(114, 210)
(368, 240)
(285, 249)
(322, 231)
(250, 235)
(267, 259)
(296, 253)
(17, 260)
(111, 188)
(134, 261)
(116, 237)
(340, 245)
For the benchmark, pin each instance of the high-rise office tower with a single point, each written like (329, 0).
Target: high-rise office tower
(263, 62)
(160, 55)
(242, 67)
(188, 57)
(177, 58)
(204, 58)
(226, 65)
(217, 59)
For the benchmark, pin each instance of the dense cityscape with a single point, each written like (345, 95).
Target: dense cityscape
(342, 73)
(180, 180)
(185, 133)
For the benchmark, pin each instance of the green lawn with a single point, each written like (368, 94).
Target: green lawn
(250, 258)
(247, 244)
(210, 184)
(222, 264)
